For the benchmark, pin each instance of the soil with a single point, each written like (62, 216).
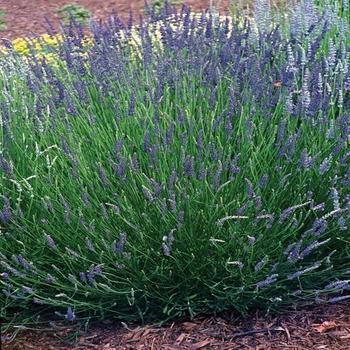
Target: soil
(316, 328)
(24, 17)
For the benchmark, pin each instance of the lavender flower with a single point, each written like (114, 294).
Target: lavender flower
(23, 262)
(148, 194)
(172, 180)
(335, 198)
(262, 15)
(5, 212)
(27, 290)
(50, 279)
(103, 175)
(93, 272)
(318, 207)
(305, 161)
(268, 281)
(299, 273)
(202, 173)
(169, 134)
(342, 223)
(82, 277)
(66, 211)
(72, 253)
(168, 242)
(251, 240)
(38, 301)
(135, 165)
(50, 242)
(89, 244)
(5, 166)
(118, 247)
(104, 211)
(325, 165)
(338, 299)
(5, 276)
(70, 315)
(337, 284)
(311, 247)
(263, 181)
(286, 213)
(319, 226)
(180, 218)
(294, 254)
(250, 189)
(85, 198)
(259, 266)
(189, 166)
(217, 176)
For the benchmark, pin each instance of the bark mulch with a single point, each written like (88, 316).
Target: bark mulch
(316, 328)
(24, 17)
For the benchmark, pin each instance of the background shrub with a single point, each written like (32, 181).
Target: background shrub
(206, 171)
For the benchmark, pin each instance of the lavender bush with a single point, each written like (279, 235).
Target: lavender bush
(206, 171)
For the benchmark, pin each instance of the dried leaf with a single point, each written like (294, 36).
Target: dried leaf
(188, 326)
(325, 326)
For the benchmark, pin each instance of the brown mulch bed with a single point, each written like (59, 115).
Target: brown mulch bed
(318, 328)
(24, 17)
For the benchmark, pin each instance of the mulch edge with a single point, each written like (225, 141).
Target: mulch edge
(321, 327)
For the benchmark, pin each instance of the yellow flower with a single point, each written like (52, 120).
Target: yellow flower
(50, 58)
(45, 42)
(21, 46)
(87, 41)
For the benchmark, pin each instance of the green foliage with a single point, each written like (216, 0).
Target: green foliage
(78, 12)
(2, 20)
(158, 5)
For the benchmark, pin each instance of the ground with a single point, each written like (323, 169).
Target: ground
(23, 17)
(316, 328)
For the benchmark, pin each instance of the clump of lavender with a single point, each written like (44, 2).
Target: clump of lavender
(233, 134)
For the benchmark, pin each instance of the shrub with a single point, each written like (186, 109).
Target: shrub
(77, 12)
(211, 171)
(2, 20)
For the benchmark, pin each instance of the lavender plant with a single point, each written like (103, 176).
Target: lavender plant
(204, 172)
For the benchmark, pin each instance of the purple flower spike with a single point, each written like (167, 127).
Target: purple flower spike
(70, 315)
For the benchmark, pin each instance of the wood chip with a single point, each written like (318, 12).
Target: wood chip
(189, 326)
(181, 338)
(324, 326)
(200, 345)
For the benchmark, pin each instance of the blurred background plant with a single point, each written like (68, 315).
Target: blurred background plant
(2, 20)
(78, 12)
(158, 5)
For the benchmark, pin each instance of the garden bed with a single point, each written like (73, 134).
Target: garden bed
(317, 328)
(24, 17)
